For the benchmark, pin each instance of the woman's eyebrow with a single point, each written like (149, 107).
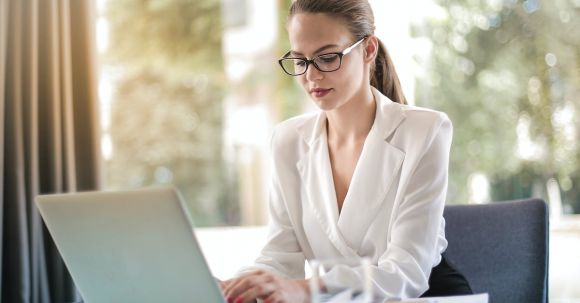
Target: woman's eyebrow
(295, 53)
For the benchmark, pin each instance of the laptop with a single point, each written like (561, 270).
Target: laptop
(129, 246)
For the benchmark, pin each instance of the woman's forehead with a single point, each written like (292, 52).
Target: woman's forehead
(310, 32)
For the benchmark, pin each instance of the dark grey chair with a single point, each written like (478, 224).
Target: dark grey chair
(501, 248)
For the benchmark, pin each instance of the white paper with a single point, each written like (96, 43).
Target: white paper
(342, 297)
(477, 298)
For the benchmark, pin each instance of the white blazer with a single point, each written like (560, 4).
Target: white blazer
(393, 210)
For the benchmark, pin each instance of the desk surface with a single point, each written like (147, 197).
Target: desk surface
(477, 298)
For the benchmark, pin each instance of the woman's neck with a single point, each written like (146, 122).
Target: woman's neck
(352, 122)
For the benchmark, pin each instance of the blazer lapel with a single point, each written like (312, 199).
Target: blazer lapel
(376, 171)
(318, 187)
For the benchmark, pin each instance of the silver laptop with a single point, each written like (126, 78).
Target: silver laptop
(131, 246)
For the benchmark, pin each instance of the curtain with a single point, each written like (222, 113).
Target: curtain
(48, 134)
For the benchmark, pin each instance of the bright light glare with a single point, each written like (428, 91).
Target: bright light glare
(526, 148)
(478, 188)
(102, 34)
(106, 146)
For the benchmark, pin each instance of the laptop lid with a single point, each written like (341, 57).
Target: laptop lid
(129, 246)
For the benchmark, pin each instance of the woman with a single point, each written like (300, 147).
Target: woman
(366, 176)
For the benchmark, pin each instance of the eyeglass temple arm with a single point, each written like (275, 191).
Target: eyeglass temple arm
(346, 51)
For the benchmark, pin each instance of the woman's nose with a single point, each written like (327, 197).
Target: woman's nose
(313, 74)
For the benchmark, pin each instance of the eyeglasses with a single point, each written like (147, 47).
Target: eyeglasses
(328, 62)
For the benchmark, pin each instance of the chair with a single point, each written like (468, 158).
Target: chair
(501, 248)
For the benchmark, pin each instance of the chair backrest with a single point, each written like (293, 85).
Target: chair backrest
(501, 248)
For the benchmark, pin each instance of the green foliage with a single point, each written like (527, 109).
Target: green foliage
(497, 66)
(289, 97)
(183, 35)
(166, 114)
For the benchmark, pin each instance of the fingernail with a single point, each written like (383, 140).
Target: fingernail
(239, 300)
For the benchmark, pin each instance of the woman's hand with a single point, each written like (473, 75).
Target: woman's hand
(222, 284)
(266, 286)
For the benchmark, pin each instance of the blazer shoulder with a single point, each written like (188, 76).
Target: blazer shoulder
(425, 117)
(421, 128)
(287, 134)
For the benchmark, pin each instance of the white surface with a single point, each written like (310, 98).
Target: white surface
(565, 259)
(477, 298)
(345, 297)
(227, 249)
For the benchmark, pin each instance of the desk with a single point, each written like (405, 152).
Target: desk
(345, 297)
(477, 298)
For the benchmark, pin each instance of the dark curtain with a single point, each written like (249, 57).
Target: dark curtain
(48, 135)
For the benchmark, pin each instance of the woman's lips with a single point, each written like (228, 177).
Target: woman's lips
(320, 92)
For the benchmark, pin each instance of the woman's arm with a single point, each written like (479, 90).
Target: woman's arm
(282, 254)
(278, 273)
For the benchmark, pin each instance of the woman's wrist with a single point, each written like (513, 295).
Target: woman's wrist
(304, 285)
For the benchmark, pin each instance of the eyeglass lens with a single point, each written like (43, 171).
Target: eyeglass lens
(325, 63)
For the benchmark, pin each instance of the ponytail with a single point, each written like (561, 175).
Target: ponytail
(384, 77)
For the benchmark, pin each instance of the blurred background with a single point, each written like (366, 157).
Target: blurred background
(190, 90)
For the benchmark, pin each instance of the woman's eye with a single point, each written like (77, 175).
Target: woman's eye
(328, 58)
(300, 63)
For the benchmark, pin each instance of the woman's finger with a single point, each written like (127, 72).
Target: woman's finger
(274, 297)
(231, 287)
(257, 291)
(242, 284)
(222, 284)
(233, 283)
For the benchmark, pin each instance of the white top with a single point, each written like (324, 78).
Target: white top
(393, 210)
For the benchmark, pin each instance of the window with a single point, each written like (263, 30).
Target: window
(190, 91)
(506, 72)
(162, 92)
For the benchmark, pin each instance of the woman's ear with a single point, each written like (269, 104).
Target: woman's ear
(371, 47)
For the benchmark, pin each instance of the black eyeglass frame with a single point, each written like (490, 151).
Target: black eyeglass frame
(311, 61)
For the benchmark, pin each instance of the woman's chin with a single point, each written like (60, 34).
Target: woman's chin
(324, 105)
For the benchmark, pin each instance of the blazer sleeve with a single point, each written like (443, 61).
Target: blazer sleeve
(413, 242)
(282, 254)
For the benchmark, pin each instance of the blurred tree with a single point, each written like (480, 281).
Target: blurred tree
(508, 75)
(166, 113)
(289, 96)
